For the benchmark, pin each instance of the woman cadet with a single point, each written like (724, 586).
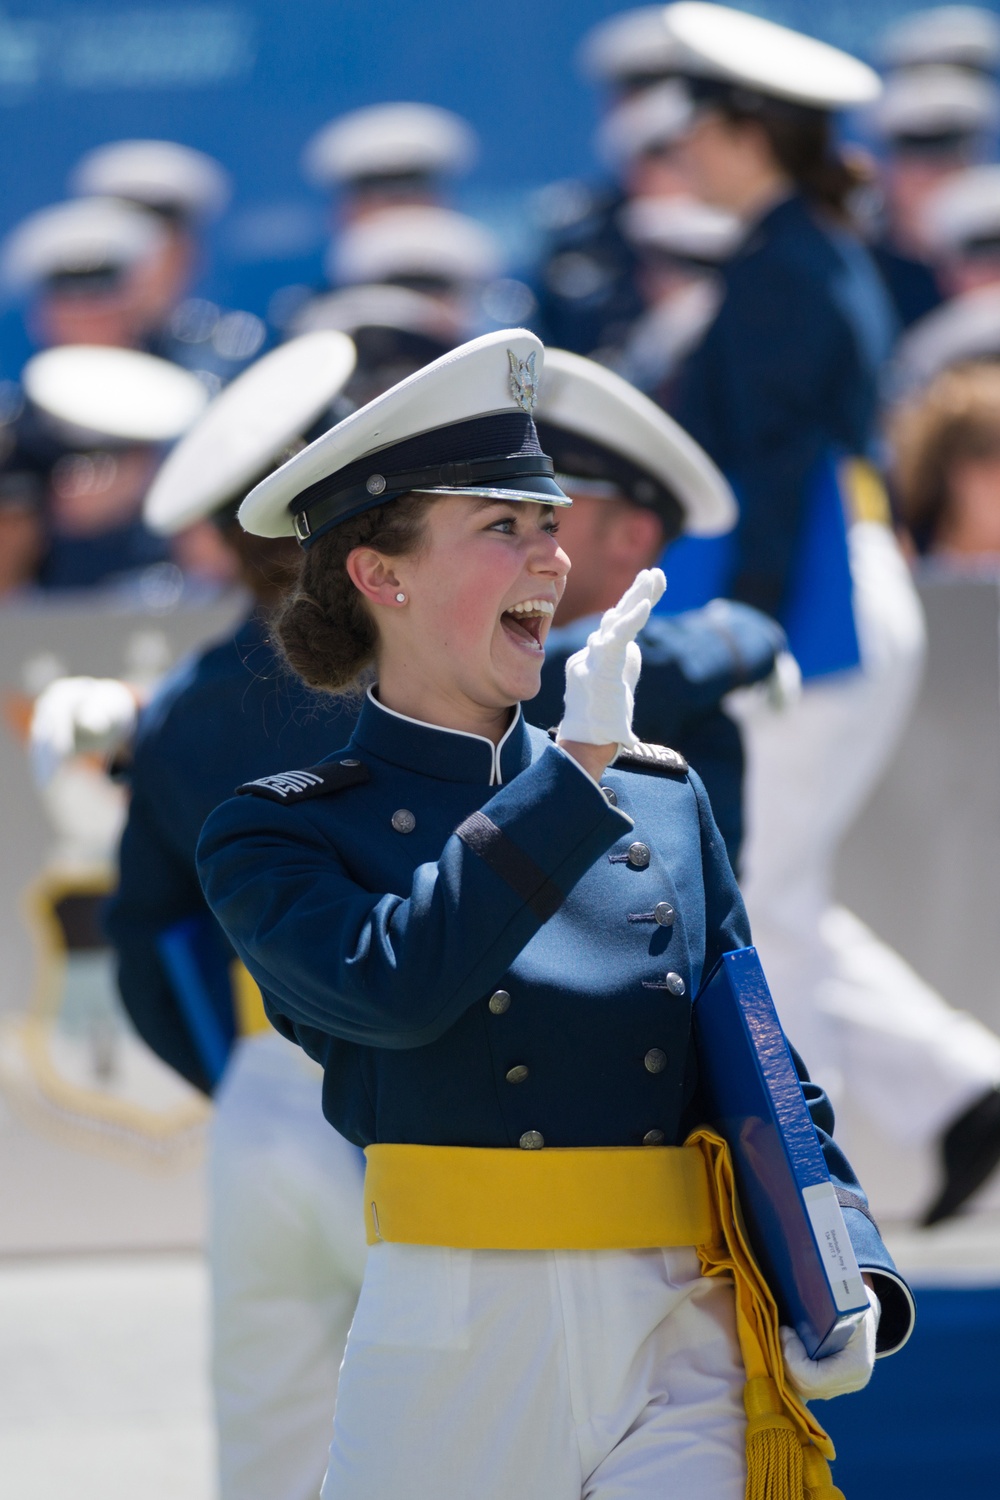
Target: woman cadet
(782, 394)
(455, 915)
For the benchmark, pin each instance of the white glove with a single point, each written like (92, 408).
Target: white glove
(850, 1369)
(77, 715)
(784, 684)
(601, 679)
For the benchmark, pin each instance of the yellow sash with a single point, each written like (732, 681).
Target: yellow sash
(601, 1198)
(251, 1017)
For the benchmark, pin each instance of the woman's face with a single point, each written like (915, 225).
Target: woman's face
(726, 163)
(480, 591)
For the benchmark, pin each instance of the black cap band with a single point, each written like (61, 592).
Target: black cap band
(489, 453)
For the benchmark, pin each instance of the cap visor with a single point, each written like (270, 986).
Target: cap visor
(543, 491)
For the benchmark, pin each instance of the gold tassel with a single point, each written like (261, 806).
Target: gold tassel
(774, 1447)
(818, 1481)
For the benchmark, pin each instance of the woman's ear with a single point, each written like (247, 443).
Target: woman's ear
(372, 575)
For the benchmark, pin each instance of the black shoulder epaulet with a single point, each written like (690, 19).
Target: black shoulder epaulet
(299, 786)
(653, 758)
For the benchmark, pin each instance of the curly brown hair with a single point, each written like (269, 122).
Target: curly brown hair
(955, 419)
(325, 629)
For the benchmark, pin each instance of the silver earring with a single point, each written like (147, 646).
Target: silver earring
(400, 598)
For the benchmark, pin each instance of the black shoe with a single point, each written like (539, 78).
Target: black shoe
(970, 1151)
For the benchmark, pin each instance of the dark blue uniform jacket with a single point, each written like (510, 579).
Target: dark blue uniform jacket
(233, 712)
(425, 913)
(224, 716)
(784, 377)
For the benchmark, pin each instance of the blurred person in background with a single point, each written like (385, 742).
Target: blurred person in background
(446, 257)
(962, 225)
(782, 392)
(637, 481)
(286, 1242)
(931, 123)
(680, 244)
(88, 440)
(186, 190)
(585, 282)
(80, 270)
(961, 36)
(946, 469)
(394, 329)
(389, 156)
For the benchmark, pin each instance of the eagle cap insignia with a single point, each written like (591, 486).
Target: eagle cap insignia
(523, 380)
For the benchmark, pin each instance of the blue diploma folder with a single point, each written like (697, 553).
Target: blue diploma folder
(789, 1205)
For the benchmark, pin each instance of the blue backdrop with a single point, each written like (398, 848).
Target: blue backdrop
(249, 80)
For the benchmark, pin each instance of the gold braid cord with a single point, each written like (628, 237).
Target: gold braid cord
(788, 1452)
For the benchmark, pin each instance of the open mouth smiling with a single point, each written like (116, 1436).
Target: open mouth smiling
(526, 624)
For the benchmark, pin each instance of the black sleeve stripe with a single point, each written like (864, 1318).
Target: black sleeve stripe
(480, 834)
(848, 1199)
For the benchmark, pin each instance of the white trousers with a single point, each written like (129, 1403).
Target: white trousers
(287, 1257)
(868, 1027)
(539, 1375)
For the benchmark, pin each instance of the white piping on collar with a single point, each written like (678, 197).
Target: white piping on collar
(496, 773)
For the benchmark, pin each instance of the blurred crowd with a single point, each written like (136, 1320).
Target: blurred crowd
(630, 274)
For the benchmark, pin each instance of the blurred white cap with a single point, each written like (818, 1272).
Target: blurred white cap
(116, 395)
(921, 103)
(82, 237)
(418, 242)
(364, 306)
(585, 406)
(246, 429)
(721, 43)
(645, 121)
(964, 329)
(681, 226)
(162, 175)
(964, 210)
(968, 35)
(389, 140)
(632, 47)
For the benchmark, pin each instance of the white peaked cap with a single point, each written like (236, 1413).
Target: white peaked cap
(246, 428)
(377, 306)
(965, 34)
(730, 45)
(83, 235)
(656, 116)
(494, 375)
(159, 174)
(964, 209)
(415, 241)
(634, 44)
(594, 403)
(386, 140)
(681, 226)
(966, 328)
(935, 101)
(117, 395)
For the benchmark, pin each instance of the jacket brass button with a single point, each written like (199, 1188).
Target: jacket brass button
(403, 821)
(664, 913)
(675, 984)
(610, 795)
(499, 1002)
(531, 1140)
(517, 1074)
(655, 1060)
(653, 1138)
(638, 856)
